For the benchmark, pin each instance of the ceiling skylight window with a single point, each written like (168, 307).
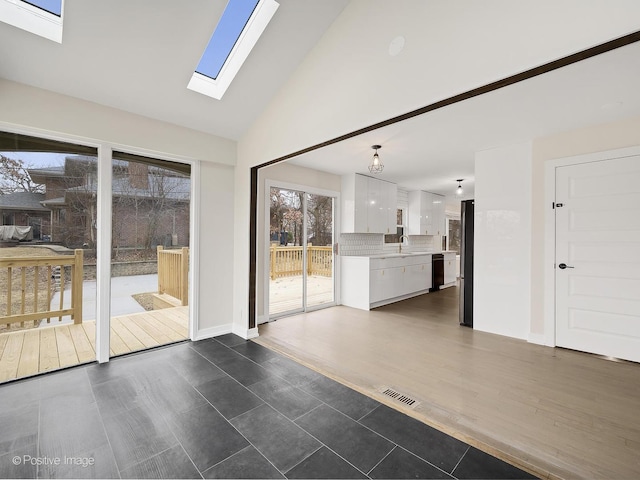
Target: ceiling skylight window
(40, 17)
(238, 30)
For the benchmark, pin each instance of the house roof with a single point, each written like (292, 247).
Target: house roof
(22, 201)
(170, 187)
(52, 202)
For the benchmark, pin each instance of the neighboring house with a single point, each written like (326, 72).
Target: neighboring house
(26, 209)
(150, 204)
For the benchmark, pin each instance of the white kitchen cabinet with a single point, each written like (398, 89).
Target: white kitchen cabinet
(437, 214)
(371, 282)
(392, 207)
(366, 203)
(426, 213)
(450, 269)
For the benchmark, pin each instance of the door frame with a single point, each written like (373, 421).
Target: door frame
(268, 184)
(549, 336)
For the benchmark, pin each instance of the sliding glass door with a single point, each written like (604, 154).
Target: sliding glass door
(301, 263)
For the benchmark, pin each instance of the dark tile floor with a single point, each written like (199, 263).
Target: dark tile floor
(219, 408)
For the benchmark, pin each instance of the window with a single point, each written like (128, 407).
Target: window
(238, 30)
(8, 218)
(233, 21)
(453, 234)
(395, 237)
(40, 17)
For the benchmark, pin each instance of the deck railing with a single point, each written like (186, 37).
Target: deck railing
(287, 261)
(36, 278)
(173, 273)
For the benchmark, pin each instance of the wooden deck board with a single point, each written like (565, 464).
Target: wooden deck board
(164, 323)
(90, 330)
(169, 322)
(66, 350)
(84, 350)
(49, 359)
(11, 357)
(159, 332)
(3, 342)
(125, 334)
(118, 347)
(30, 357)
(147, 340)
(27, 352)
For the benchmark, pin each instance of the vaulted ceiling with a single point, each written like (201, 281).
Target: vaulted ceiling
(332, 60)
(139, 56)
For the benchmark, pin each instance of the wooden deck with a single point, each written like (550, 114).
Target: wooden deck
(28, 352)
(285, 293)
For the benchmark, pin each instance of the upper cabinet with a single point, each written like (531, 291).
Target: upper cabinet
(369, 205)
(426, 213)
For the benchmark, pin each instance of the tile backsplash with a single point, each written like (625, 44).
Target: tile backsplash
(361, 243)
(356, 244)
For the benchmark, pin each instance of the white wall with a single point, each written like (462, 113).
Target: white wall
(502, 247)
(349, 80)
(38, 112)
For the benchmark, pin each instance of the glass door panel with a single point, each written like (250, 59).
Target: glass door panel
(286, 251)
(150, 253)
(47, 256)
(319, 227)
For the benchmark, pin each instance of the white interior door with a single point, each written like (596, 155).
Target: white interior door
(598, 257)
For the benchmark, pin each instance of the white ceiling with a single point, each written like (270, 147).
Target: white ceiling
(431, 151)
(139, 56)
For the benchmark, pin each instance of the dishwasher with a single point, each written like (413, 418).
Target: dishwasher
(437, 271)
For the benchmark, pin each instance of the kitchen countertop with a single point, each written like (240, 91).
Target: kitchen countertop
(398, 255)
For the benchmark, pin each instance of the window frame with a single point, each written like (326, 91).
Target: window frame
(33, 19)
(251, 33)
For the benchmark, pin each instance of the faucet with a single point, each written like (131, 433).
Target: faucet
(400, 244)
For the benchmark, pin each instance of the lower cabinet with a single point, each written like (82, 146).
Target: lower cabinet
(450, 275)
(372, 282)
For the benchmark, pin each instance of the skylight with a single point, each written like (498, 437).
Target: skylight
(238, 30)
(225, 36)
(51, 6)
(40, 17)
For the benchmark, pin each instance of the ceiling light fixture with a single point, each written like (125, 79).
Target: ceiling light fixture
(459, 190)
(376, 165)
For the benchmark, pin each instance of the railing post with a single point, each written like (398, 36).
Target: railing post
(78, 274)
(159, 249)
(185, 276)
(273, 262)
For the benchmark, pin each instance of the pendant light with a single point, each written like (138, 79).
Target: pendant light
(459, 190)
(376, 165)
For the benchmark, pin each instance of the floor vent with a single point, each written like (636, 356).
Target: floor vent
(399, 397)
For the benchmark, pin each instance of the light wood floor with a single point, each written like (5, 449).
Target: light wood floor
(28, 352)
(555, 412)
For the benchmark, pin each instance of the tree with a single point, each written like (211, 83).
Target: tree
(14, 177)
(286, 214)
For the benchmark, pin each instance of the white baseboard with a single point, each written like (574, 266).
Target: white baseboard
(263, 319)
(213, 331)
(540, 339)
(246, 333)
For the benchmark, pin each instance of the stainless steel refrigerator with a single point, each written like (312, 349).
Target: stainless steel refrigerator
(466, 263)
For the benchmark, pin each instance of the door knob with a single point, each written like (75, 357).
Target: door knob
(562, 266)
